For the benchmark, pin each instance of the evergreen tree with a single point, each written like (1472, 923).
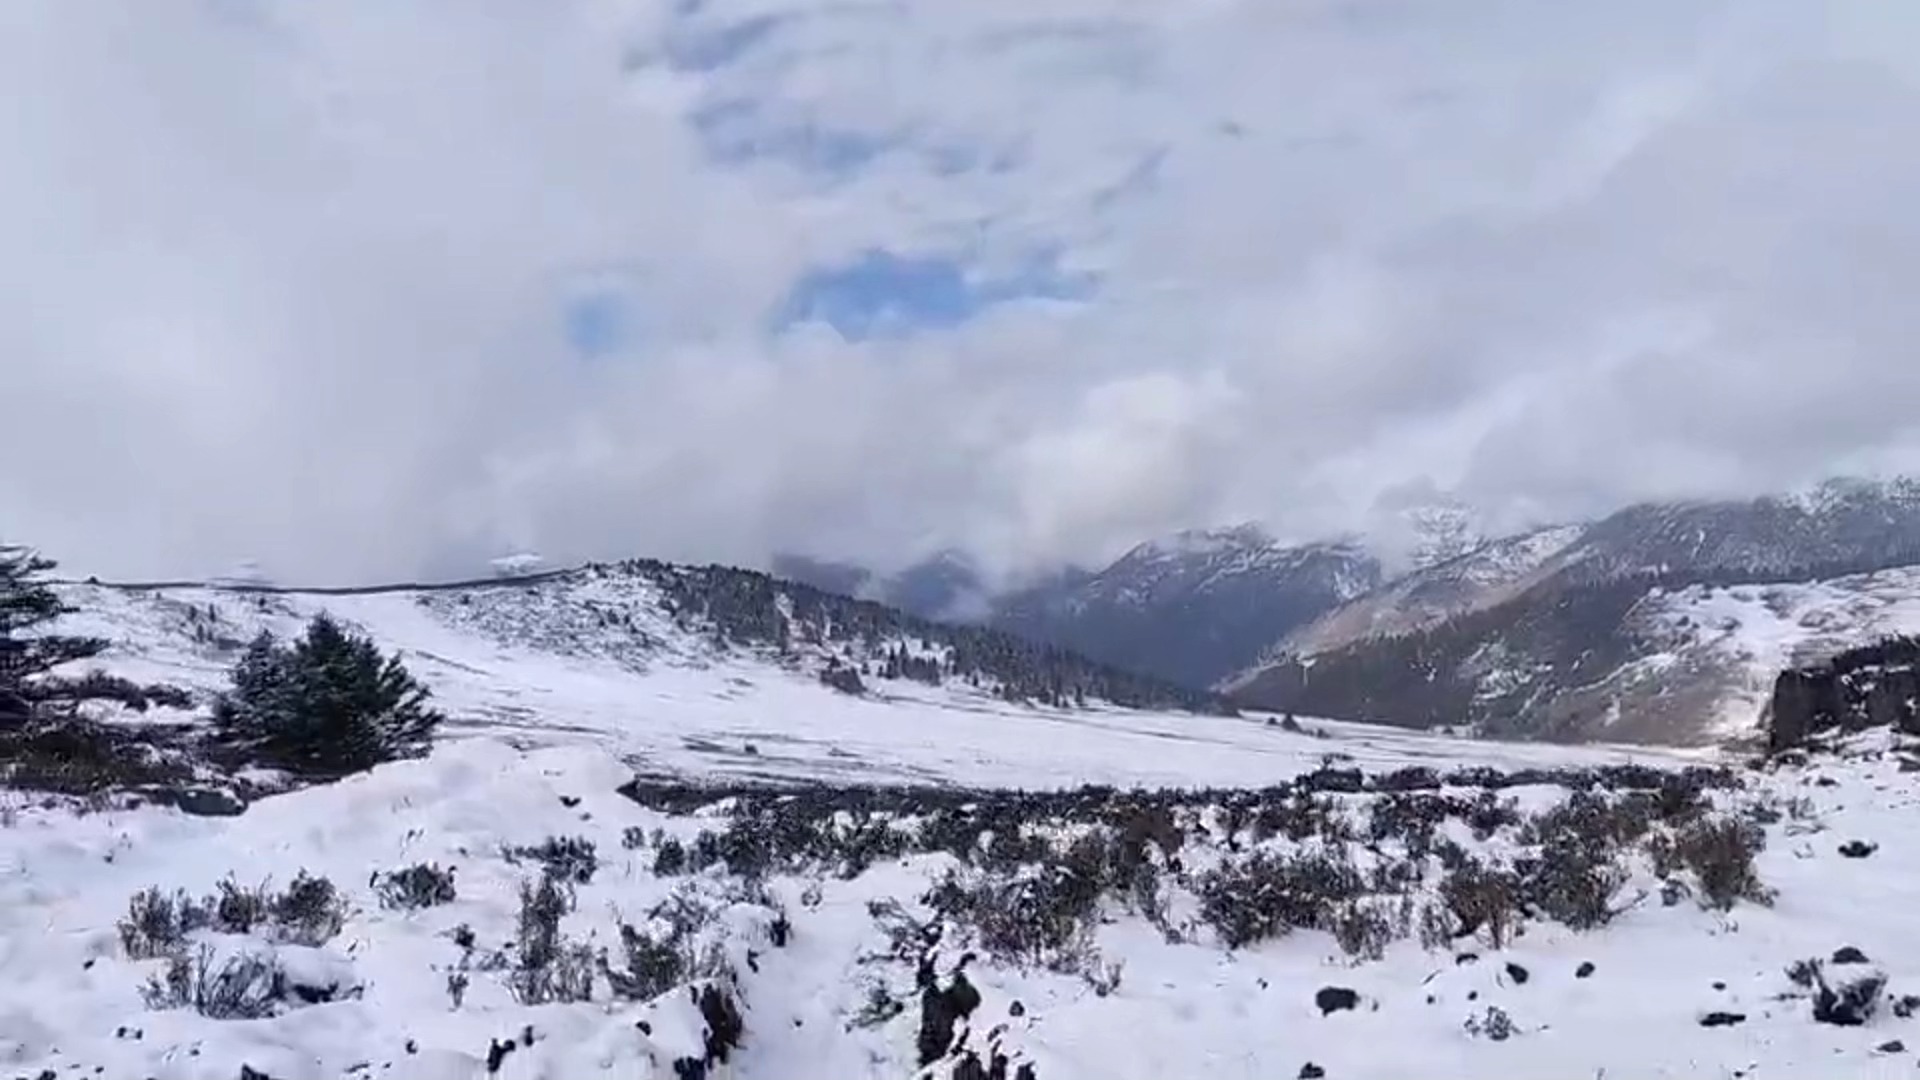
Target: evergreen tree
(28, 652)
(326, 706)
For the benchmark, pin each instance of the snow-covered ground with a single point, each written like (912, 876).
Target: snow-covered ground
(555, 707)
(70, 1002)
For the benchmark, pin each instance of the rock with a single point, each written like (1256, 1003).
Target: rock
(1016, 1010)
(1858, 849)
(1847, 954)
(1518, 974)
(1718, 985)
(1852, 1004)
(1467, 958)
(1892, 1046)
(1333, 999)
(1310, 1071)
(1722, 1019)
(1584, 970)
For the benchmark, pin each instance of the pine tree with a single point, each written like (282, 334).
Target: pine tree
(28, 652)
(326, 706)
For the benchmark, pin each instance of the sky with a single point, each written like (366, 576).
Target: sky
(362, 290)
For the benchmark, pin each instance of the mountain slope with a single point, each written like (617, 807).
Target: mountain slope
(1577, 645)
(1195, 607)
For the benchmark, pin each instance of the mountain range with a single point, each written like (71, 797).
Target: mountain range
(1662, 622)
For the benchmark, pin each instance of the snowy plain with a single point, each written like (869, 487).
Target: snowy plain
(548, 724)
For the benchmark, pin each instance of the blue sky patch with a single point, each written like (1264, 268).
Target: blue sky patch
(883, 294)
(597, 323)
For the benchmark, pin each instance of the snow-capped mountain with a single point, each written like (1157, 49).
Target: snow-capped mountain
(1564, 633)
(946, 586)
(1193, 607)
(613, 642)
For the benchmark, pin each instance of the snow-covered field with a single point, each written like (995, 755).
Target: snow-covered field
(552, 716)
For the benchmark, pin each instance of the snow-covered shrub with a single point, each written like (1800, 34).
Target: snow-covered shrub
(1481, 897)
(420, 886)
(156, 924)
(323, 707)
(310, 912)
(1268, 895)
(545, 966)
(1040, 916)
(669, 858)
(571, 859)
(667, 950)
(1719, 853)
(243, 986)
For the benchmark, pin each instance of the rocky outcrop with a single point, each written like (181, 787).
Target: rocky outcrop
(1875, 686)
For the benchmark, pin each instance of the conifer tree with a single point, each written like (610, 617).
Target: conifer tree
(29, 651)
(325, 706)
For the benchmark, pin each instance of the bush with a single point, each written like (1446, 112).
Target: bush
(571, 859)
(420, 886)
(324, 707)
(546, 967)
(1267, 895)
(1719, 852)
(1480, 897)
(1040, 915)
(666, 953)
(246, 986)
(311, 912)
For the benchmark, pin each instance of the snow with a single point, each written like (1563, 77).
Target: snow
(1189, 1009)
(537, 665)
(553, 711)
(1755, 631)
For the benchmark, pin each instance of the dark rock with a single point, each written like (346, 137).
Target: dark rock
(1310, 1071)
(497, 1052)
(1518, 974)
(1847, 954)
(1906, 1006)
(1584, 970)
(197, 801)
(1852, 1005)
(1892, 1046)
(1858, 849)
(1719, 985)
(1333, 999)
(1722, 1019)
(569, 801)
(1466, 958)
(940, 1011)
(1016, 1010)
(725, 1026)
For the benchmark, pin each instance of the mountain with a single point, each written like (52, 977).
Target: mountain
(1581, 632)
(947, 586)
(606, 640)
(1195, 607)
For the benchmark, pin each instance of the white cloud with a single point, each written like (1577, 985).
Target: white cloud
(290, 280)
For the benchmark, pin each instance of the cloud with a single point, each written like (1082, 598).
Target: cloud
(363, 290)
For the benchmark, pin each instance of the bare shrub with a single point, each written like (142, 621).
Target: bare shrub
(1719, 853)
(423, 885)
(1268, 895)
(246, 986)
(570, 859)
(546, 967)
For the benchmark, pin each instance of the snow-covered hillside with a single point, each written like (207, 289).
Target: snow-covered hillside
(597, 661)
(1746, 635)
